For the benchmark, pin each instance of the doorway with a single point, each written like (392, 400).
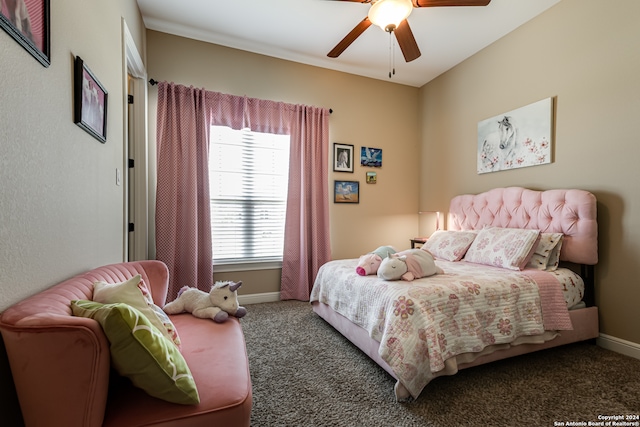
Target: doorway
(136, 200)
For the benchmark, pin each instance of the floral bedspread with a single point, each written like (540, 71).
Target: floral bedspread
(422, 323)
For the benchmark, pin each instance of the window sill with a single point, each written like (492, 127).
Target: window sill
(247, 266)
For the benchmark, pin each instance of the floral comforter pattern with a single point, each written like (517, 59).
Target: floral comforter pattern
(422, 323)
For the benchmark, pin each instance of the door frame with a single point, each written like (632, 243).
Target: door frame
(136, 138)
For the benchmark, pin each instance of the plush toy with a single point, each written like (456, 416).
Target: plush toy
(408, 265)
(218, 304)
(369, 263)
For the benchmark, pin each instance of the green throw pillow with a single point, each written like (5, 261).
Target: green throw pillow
(141, 353)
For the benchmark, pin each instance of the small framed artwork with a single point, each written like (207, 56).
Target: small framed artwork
(346, 192)
(342, 157)
(28, 22)
(371, 157)
(90, 99)
(372, 177)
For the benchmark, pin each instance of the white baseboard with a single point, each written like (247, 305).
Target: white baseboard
(258, 298)
(618, 345)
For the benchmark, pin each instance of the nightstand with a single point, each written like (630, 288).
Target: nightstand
(418, 240)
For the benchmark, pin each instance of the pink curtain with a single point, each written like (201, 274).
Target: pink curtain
(306, 236)
(185, 116)
(183, 217)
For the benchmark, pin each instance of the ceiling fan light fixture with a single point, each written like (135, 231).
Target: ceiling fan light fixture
(388, 14)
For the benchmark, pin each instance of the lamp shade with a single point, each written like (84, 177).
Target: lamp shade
(437, 214)
(388, 14)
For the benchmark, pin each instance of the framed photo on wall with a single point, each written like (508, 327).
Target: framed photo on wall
(372, 177)
(28, 22)
(90, 102)
(346, 192)
(371, 157)
(342, 158)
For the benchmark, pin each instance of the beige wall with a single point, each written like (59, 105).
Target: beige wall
(60, 209)
(367, 112)
(585, 54)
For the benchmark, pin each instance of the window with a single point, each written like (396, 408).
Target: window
(248, 176)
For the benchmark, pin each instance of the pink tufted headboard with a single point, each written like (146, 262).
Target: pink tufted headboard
(571, 212)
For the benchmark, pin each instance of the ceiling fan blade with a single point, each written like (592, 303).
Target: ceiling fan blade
(349, 38)
(407, 41)
(437, 3)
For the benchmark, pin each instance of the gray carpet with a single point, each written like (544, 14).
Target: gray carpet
(305, 373)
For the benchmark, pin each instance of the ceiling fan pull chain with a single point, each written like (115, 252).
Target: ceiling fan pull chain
(392, 55)
(390, 42)
(393, 50)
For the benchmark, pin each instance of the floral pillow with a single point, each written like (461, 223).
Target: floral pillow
(547, 253)
(510, 248)
(449, 245)
(135, 293)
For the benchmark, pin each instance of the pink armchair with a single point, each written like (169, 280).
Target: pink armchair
(61, 363)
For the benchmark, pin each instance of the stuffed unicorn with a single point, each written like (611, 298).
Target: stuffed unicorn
(220, 303)
(408, 265)
(369, 263)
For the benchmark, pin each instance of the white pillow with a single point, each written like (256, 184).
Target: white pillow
(547, 253)
(510, 248)
(449, 245)
(135, 293)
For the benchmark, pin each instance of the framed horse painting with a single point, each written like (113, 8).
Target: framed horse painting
(516, 139)
(346, 192)
(342, 157)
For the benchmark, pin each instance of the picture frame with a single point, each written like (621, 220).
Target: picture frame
(346, 192)
(371, 157)
(372, 177)
(29, 25)
(516, 139)
(342, 157)
(90, 102)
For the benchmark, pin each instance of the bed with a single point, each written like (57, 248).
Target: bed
(518, 277)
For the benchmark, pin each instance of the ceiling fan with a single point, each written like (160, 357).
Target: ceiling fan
(391, 16)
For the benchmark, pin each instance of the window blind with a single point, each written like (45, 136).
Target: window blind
(248, 175)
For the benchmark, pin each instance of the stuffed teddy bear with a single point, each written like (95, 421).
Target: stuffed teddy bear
(369, 263)
(218, 304)
(408, 265)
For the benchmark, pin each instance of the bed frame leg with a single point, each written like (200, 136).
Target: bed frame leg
(587, 272)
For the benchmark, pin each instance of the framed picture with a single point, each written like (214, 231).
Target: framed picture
(372, 177)
(517, 138)
(371, 157)
(346, 192)
(342, 158)
(90, 99)
(28, 22)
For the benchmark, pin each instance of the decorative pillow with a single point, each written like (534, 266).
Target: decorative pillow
(449, 245)
(135, 293)
(141, 353)
(547, 253)
(510, 248)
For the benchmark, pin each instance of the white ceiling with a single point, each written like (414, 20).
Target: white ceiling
(306, 30)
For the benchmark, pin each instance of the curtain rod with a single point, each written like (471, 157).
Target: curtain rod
(153, 82)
